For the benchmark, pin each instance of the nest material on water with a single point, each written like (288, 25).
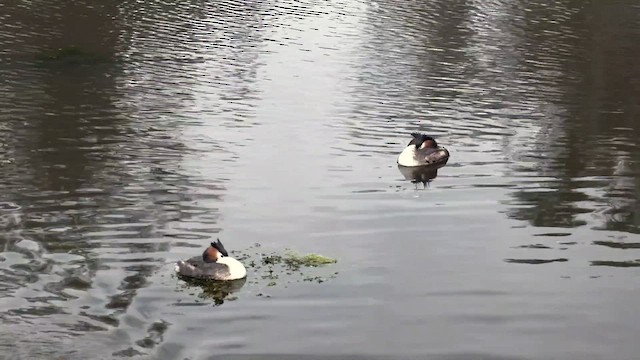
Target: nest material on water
(294, 261)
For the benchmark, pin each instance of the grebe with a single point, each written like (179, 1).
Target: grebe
(215, 264)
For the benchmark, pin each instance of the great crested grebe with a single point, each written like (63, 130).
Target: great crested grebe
(423, 150)
(214, 264)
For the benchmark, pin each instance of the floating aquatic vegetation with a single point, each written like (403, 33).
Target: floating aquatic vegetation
(287, 267)
(295, 261)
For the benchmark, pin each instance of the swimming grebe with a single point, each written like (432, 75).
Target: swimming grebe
(423, 150)
(215, 264)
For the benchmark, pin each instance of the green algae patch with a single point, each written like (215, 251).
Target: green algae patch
(297, 261)
(286, 268)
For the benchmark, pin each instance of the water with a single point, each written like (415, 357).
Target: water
(162, 125)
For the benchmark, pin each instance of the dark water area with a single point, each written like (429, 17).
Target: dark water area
(133, 133)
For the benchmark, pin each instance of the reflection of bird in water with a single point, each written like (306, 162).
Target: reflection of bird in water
(218, 291)
(215, 264)
(420, 174)
(423, 150)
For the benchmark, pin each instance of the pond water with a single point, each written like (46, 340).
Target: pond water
(275, 125)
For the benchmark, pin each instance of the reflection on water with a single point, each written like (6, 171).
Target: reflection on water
(420, 174)
(218, 291)
(131, 133)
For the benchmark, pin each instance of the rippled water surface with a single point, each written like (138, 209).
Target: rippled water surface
(133, 133)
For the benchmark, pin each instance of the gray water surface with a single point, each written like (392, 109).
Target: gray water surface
(274, 125)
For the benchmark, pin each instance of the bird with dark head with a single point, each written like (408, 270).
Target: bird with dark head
(214, 252)
(215, 264)
(423, 150)
(423, 141)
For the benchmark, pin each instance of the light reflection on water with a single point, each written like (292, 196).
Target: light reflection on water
(279, 123)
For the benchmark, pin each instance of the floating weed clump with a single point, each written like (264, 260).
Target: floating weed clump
(293, 261)
(272, 269)
(296, 261)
